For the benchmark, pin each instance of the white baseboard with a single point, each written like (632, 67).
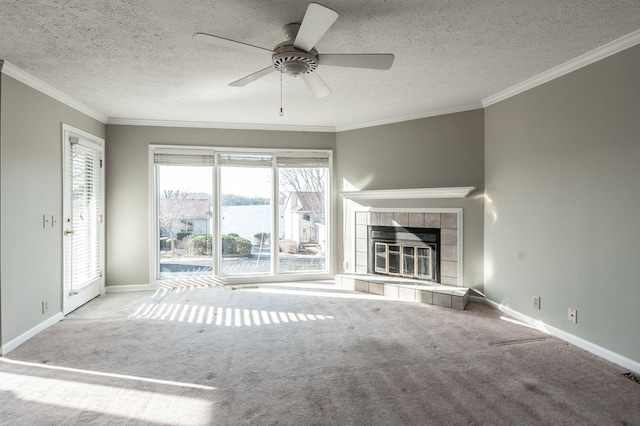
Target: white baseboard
(133, 287)
(563, 335)
(11, 345)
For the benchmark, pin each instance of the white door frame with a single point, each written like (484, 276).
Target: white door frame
(71, 301)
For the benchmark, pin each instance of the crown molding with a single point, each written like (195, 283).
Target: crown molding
(213, 125)
(417, 116)
(39, 85)
(588, 58)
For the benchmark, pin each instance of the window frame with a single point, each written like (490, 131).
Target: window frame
(274, 275)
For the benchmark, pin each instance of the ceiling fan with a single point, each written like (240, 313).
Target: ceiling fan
(296, 56)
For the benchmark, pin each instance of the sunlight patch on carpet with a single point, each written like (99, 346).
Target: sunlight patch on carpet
(120, 402)
(221, 316)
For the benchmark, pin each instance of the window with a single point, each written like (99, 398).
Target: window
(187, 226)
(234, 213)
(183, 199)
(303, 185)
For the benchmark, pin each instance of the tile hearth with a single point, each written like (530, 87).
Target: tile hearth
(406, 289)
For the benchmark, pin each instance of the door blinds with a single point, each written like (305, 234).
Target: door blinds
(86, 216)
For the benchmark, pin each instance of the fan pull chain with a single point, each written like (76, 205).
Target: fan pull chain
(281, 111)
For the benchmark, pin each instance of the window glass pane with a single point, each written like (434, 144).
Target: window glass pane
(246, 217)
(381, 258)
(303, 218)
(185, 220)
(424, 262)
(408, 260)
(394, 259)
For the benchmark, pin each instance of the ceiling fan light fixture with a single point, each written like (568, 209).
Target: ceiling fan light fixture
(295, 68)
(293, 62)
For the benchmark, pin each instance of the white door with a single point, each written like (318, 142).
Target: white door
(82, 218)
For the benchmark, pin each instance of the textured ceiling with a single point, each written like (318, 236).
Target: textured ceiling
(135, 59)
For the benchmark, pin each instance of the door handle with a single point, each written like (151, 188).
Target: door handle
(69, 232)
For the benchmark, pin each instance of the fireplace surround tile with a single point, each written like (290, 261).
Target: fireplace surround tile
(432, 220)
(361, 231)
(449, 252)
(361, 245)
(416, 220)
(449, 269)
(386, 219)
(448, 236)
(361, 263)
(447, 222)
(449, 280)
(400, 219)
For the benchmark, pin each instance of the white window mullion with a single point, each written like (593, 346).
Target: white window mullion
(275, 225)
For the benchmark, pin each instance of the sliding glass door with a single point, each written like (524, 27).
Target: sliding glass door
(303, 185)
(246, 212)
(236, 213)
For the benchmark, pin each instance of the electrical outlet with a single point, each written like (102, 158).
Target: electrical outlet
(536, 302)
(45, 307)
(573, 315)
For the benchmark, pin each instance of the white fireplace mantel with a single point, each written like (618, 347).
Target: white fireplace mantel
(410, 193)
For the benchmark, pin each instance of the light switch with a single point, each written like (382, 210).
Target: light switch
(46, 221)
(54, 220)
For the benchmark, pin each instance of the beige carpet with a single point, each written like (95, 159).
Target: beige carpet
(302, 354)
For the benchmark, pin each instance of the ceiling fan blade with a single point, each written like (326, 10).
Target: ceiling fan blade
(317, 20)
(317, 86)
(376, 61)
(227, 42)
(252, 77)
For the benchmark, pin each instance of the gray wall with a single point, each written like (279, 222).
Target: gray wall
(563, 202)
(31, 186)
(127, 171)
(441, 151)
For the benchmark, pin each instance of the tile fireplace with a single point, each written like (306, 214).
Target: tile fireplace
(410, 243)
(403, 252)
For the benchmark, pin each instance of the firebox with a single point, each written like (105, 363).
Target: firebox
(405, 252)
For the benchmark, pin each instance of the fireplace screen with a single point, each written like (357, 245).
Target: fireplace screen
(405, 252)
(404, 260)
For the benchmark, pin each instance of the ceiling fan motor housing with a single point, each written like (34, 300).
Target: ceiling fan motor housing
(294, 62)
